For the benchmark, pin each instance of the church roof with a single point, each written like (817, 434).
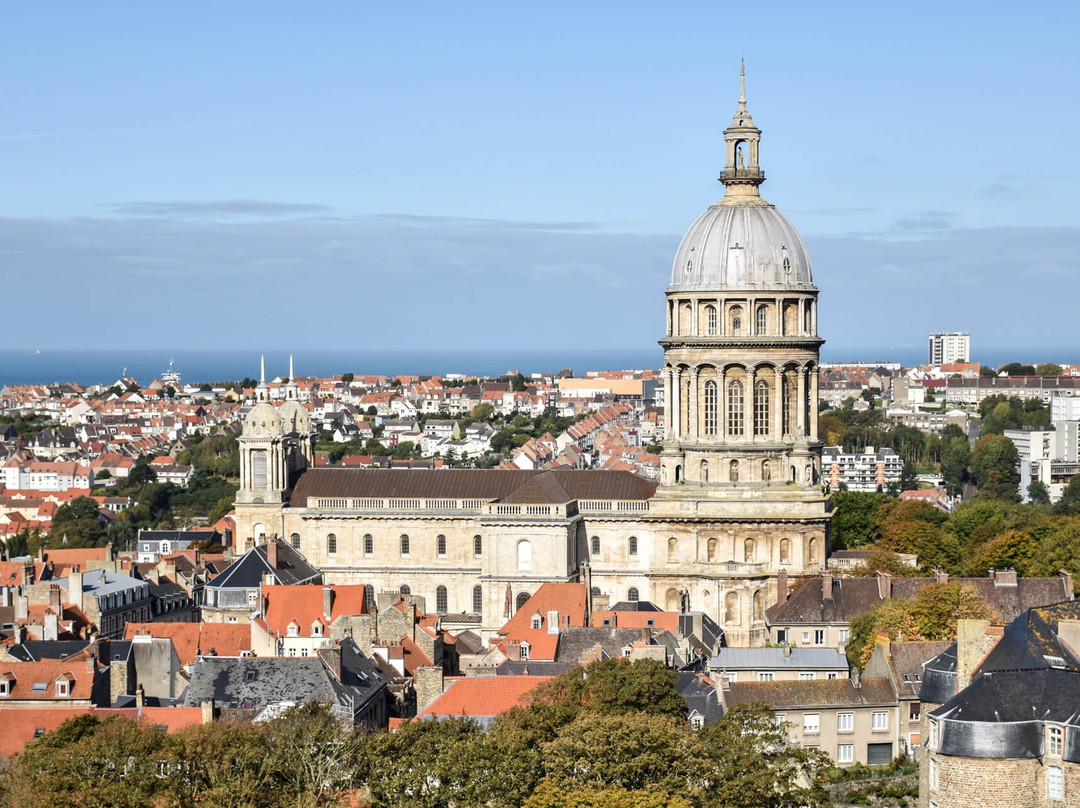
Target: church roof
(561, 485)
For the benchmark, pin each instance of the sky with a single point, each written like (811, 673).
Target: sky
(467, 176)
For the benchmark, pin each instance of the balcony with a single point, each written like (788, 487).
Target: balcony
(748, 174)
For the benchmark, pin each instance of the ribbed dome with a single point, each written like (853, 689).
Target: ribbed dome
(741, 247)
(263, 421)
(294, 418)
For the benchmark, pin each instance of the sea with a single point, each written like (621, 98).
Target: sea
(92, 366)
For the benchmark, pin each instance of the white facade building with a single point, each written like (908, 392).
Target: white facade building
(948, 348)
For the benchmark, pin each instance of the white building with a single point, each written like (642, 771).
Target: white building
(871, 470)
(948, 348)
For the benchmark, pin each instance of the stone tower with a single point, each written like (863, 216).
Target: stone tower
(741, 458)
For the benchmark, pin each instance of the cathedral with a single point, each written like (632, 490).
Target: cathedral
(740, 497)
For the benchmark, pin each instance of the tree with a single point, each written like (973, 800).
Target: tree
(994, 464)
(316, 755)
(81, 521)
(1048, 370)
(1069, 501)
(552, 796)
(1038, 493)
(955, 456)
(347, 378)
(852, 523)
(483, 411)
(141, 474)
(517, 383)
(1014, 549)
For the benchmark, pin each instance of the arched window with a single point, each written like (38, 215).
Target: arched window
(785, 551)
(710, 320)
(440, 545)
(736, 411)
(731, 609)
(524, 555)
(733, 471)
(761, 407)
(631, 545)
(477, 546)
(812, 551)
(766, 471)
(440, 600)
(404, 544)
(477, 599)
(710, 550)
(748, 550)
(369, 544)
(596, 545)
(295, 540)
(632, 594)
(522, 599)
(678, 473)
(672, 548)
(595, 591)
(704, 471)
(711, 408)
(369, 598)
(757, 606)
(671, 601)
(762, 315)
(736, 320)
(404, 589)
(331, 544)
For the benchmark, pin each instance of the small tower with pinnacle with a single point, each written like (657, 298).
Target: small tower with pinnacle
(742, 172)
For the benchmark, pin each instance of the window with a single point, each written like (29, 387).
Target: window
(697, 722)
(843, 634)
(295, 540)
(522, 599)
(536, 622)
(404, 590)
(632, 545)
(760, 324)
(316, 629)
(736, 320)
(404, 544)
(477, 599)
(164, 547)
(880, 721)
(845, 722)
(789, 406)
(524, 652)
(710, 550)
(781, 636)
(933, 734)
(780, 721)
(761, 408)
(632, 594)
(440, 600)
(934, 773)
(731, 608)
(710, 320)
(1055, 783)
(914, 711)
(1054, 739)
(293, 630)
(331, 544)
(811, 723)
(524, 555)
(819, 636)
(62, 688)
(845, 753)
(806, 637)
(785, 551)
(832, 675)
(440, 545)
(596, 545)
(477, 546)
(672, 549)
(369, 544)
(711, 409)
(735, 409)
(748, 550)
(766, 676)
(369, 597)
(807, 676)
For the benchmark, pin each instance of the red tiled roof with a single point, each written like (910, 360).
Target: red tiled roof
(483, 695)
(304, 604)
(566, 599)
(191, 639)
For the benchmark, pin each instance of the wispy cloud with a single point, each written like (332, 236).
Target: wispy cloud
(926, 220)
(421, 220)
(221, 207)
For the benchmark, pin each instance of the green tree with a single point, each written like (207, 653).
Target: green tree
(955, 456)
(1048, 370)
(141, 474)
(81, 521)
(517, 383)
(909, 477)
(1069, 501)
(551, 796)
(347, 378)
(853, 522)
(1038, 493)
(994, 463)
(1013, 548)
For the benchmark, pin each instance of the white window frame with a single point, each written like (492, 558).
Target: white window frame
(845, 722)
(819, 636)
(1055, 741)
(807, 676)
(934, 774)
(843, 634)
(766, 676)
(1055, 783)
(879, 721)
(811, 723)
(845, 753)
(806, 637)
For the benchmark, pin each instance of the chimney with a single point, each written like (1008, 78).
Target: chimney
(586, 578)
(884, 585)
(856, 678)
(327, 601)
(139, 696)
(271, 552)
(1005, 577)
(207, 711)
(781, 587)
(646, 636)
(1069, 633)
(787, 650)
(826, 585)
(1067, 583)
(75, 588)
(973, 643)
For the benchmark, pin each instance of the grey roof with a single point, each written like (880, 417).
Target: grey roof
(257, 682)
(817, 693)
(515, 668)
(573, 642)
(37, 650)
(103, 582)
(700, 697)
(248, 570)
(733, 659)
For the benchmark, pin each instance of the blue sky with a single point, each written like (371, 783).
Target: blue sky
(375, 175)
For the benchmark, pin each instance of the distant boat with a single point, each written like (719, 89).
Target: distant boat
(171, 376)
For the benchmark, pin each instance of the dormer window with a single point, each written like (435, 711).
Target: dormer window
(63, 687)
(537, 621)
(7, 684)
(524, 652)
(316, 629)
(293, 630)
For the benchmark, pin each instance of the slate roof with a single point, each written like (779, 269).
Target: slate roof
(907, 659)
(257, 683)
(38, 650)
(817, 693)
(248, 570)
(700, 696)
(737, 659)
(573, 642)
(556, 486)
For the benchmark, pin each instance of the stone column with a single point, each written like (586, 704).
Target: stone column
(800, 405)
(694, 318)
(748, 402)
(799, 326)
(667, 401)
(814, 403)
(751, 326)
(721, 405)
(778, 405)
(676, 421)
(813, 318)
(693, 411)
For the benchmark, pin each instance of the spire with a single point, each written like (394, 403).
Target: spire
(290, 368)
(742, 175)
(262, 392)
(291, 391)
(262, 369)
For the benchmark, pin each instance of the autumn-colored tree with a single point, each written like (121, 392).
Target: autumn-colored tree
(1013, 548)
(551, 796)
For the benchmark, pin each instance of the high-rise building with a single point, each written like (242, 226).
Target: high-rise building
(948, 348)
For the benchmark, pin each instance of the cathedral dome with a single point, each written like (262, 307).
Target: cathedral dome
(747, 246)
(263, 421)
(294, 418)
